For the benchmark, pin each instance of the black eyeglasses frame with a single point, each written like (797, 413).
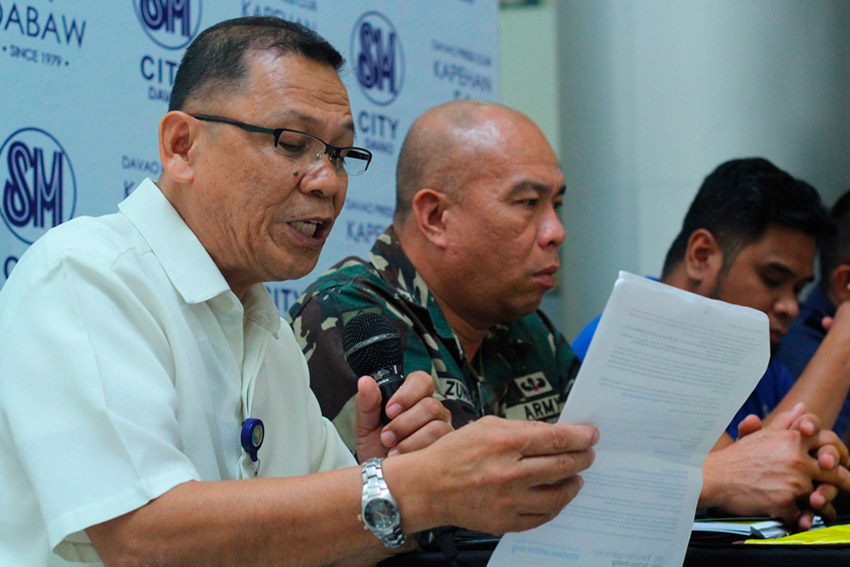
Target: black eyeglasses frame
(333, 152)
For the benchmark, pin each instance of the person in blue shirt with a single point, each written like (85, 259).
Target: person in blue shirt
(808, 331)
(750, 238)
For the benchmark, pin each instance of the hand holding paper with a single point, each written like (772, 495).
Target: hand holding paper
(664, 375)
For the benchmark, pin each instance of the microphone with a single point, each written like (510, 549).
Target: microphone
(373, 348)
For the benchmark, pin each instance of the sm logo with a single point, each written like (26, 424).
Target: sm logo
(38, 186)
(378, 58)
(169, 23)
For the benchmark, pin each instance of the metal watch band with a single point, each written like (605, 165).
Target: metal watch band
(375, 487)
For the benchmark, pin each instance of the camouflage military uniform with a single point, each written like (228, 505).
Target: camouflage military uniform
(523, 369)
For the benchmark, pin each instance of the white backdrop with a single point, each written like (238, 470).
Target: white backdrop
(85, 83)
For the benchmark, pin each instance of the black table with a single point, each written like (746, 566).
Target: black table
(699, 554)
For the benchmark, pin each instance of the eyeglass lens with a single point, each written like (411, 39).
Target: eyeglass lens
(305, 149)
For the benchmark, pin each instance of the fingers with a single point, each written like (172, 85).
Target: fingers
(524, 472)
(367, 416)
(416, 386)
(843, 453)
(808, 424)
(417, 427)
(550, 499)
(423, 437)
(827, 457)
(828, 513)
(791, 514)
(823, 495)
(806, 519)
(417, 418)
(820, 503)
(548, 439)
(839, 477)
(367, 419)
(553, 453)
(785, 419)
(548, 470)
(828, 447)
(539, 505)
(749, 424)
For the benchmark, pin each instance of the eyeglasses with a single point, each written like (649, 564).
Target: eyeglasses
(302, 147)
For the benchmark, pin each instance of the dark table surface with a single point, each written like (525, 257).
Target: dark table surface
(715, 553)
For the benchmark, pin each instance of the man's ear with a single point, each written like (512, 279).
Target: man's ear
(429, 208)
(703, 259)
(840, 281)
(177, 132)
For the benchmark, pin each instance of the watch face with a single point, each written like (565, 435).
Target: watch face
(380, 514)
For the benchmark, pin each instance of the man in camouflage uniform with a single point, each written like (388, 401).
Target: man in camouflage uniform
(487, 355)
(461, 272)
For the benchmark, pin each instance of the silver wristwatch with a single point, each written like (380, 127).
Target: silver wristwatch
(378, 509)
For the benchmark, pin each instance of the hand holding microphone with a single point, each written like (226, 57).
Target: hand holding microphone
(373, 348)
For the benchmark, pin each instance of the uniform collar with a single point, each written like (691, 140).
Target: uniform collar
(395, 268)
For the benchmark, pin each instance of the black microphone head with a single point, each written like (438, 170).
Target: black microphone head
(371, 344)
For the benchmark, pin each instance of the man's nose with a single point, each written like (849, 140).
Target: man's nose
(325, 177)
(788, 305)
(552, 231)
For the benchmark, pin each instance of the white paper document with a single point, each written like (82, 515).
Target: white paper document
(663, 377)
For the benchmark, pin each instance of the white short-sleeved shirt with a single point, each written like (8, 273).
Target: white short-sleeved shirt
(127, 366)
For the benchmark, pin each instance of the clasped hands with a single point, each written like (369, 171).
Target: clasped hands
(789, 469)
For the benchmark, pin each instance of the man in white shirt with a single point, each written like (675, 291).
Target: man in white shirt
(140, 348)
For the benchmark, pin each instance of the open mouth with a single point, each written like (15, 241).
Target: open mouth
(314, 229)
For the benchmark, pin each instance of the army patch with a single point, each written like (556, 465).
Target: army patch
(533, 385)
(545, 409)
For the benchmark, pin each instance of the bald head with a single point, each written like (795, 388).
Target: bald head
(479, 189)
(450, 143)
